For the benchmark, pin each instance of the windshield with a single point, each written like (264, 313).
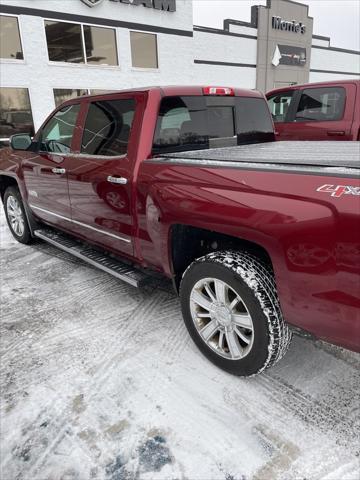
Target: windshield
(198, 122)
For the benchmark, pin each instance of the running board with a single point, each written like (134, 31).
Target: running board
(90, 255)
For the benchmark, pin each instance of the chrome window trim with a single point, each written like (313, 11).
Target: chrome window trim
(79, 223)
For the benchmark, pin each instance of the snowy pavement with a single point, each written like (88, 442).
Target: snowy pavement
(101, 381)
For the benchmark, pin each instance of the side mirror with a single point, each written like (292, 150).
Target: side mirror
(20, 141)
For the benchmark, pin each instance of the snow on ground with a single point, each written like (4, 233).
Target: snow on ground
(101, 381)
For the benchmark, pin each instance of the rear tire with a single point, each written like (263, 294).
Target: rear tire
(16, 216)
(232, 312)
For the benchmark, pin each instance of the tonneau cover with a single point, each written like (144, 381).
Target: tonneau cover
(317, 154)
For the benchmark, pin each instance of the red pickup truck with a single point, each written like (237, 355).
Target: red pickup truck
(317, 111)
(188, 182)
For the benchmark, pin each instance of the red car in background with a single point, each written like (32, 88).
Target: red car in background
(317, 111)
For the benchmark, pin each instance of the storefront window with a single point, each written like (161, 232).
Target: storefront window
(10, 43)
(64, 42)
(75, 43)
(100, 44)
(144, 50)
(63, 94)
(15, 112)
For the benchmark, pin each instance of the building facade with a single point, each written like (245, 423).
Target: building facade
(52, 51)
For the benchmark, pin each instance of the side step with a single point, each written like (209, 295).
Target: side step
(88, 254)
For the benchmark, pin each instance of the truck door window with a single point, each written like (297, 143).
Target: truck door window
(279, 105)
(107, 127)
(57, 134)
(321, 104)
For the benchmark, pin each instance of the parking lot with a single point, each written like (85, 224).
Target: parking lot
(101, 381)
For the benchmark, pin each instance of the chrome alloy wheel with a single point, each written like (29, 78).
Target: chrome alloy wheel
(221, 318)
(15, 215)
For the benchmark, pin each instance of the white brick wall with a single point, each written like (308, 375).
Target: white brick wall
(40, 76)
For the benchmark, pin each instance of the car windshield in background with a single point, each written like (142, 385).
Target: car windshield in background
(200, 122)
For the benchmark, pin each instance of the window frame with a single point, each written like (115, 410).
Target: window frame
(85, 64)
(300, 92)
(145, 69)
(15, 60)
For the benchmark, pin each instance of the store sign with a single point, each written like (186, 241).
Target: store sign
(279, 24)
(167, 5)
(289, 55)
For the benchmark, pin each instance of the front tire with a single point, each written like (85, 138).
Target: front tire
(15, 216)
(232, 312)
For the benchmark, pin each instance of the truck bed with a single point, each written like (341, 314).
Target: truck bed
(341, 158)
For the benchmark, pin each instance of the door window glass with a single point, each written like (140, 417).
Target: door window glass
(321, 104)
(107, 127)
(57, 134)
(15, 113)
(279, 105)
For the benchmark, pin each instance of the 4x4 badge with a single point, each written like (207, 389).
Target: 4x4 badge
(92, 3)
(339, 190)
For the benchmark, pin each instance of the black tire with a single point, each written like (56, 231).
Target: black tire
(253, 281)
(25, 235)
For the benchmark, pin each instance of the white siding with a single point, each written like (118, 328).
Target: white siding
(321, 43)
(224, 48)
(242, 29)
(322, 59)
(328, 77)
(224, 76)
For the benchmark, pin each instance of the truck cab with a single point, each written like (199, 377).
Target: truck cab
(317, 111)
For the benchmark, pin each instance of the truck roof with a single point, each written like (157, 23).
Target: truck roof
(344, 156)
(314, 84)
(177, 90)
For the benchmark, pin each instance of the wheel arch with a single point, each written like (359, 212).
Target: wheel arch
(7, 181)
(186, 243)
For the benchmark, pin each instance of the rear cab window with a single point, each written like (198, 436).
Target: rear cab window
(200, 122)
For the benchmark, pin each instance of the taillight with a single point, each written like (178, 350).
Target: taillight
(218, 91)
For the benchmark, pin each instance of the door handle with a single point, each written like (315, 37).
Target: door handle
(58, 170)
(335, 132)
(118, 180)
